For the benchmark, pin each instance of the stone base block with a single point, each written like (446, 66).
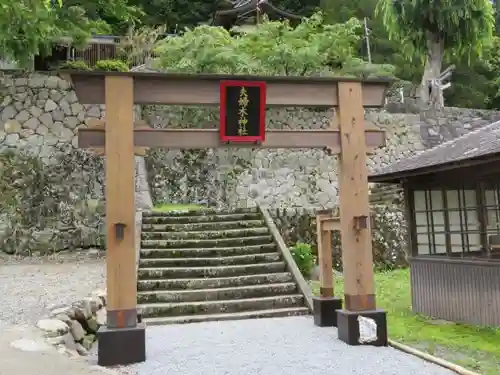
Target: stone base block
(325, 311)
(121, 346)
(348, 326)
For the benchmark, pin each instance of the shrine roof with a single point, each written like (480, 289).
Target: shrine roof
(474, 147)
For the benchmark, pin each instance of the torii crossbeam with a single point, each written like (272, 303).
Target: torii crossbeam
(122, 341)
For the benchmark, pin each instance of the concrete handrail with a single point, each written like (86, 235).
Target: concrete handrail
(138, 233)
(302, 284)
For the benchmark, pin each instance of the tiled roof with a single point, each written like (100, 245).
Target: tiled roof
(479, 142)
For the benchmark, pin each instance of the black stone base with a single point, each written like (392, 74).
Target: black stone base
(325, 311)
(348, 326)
(121, 346)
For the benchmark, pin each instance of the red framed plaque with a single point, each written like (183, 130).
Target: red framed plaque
(242, 111)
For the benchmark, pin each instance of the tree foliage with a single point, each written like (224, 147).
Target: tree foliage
(433, 29)
(274, 48)
(29, 27)
(465, 27)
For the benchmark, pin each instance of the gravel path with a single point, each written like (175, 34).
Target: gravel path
(27, 290)
(279, 346)
(283, 346)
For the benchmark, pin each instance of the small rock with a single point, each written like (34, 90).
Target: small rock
(87, 306)
(81, 349)
(81, 314)
(101, 294)
(50, 105)
(93, 302)
(59, 310)
(92, 325)
(101, 317)
(52, 327)
(31, 345)
(56, 340)
(63, 318)
(77, 330)
(69, 341)
(88, 340)
(71, 313)
(12, 126)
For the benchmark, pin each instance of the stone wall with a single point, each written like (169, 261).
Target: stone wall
(289, 178)
(40, 115)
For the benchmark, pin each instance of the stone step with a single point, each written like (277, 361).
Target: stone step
(194, 272)
(238, 292)
(197, 243)
(224, 306)
(213, 282)
(207, 234)
(199, 219)
(213, 261)
(272, 313)
(207, 252)
(202, 212)
(194, 227)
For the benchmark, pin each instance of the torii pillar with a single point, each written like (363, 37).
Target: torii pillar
(357, 256)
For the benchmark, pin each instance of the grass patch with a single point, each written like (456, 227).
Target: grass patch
(167, 207)
(473, 347)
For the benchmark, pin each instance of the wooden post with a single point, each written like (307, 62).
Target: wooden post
(122, 340)
(120, 203)
(324, 235)
(325, 261)
(357, 257)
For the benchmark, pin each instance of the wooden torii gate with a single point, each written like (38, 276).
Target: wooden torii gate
(122, 340)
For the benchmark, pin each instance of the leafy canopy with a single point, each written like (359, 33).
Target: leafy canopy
(28, 27)
(273, 48)
(464, 26)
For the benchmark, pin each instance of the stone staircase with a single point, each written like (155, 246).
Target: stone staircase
(207, 265)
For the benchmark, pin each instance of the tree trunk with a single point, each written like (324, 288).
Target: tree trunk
(430, 90)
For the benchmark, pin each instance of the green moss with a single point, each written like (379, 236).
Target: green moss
(169, 207)
(473, 347)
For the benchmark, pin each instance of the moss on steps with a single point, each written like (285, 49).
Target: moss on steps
(210, 261)
(222, 282)
(193, 227)
(199, 219)
(238, 292)
(224, 271)
(201, 212)
(196, 243)
(202, 235)
(216, 307)
(207, 252)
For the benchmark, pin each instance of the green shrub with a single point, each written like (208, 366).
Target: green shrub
(75, 65)
(111, 66)
(304, 258)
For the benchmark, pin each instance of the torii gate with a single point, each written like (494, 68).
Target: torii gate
(122, 340)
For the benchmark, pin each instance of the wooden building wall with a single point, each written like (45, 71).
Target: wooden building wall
(466, 291)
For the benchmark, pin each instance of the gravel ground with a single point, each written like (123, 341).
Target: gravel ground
(29, 287)
(278, 346)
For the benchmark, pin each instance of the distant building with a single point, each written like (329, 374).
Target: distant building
(249, 11)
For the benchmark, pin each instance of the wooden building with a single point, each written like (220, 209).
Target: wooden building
(250, 12)
(452, 196)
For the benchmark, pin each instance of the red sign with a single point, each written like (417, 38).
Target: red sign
(242, 111)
